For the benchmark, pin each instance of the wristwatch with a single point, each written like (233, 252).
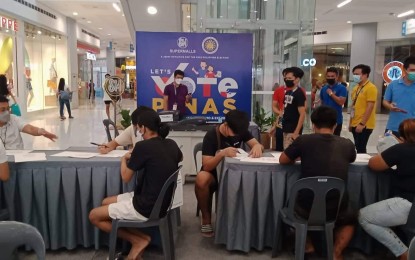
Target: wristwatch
(331, 94)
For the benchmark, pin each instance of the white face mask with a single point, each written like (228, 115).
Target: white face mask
(178, 81)
(5, 116)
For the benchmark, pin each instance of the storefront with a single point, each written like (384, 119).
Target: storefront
(8, 29)
(45, 62)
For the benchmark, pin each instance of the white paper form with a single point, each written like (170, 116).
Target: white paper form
(362, 157)
(29, 157)
(14, 152)
(113, 154)
(271, 160)
(81, 155)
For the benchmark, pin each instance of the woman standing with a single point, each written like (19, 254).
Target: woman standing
(63, 99)
(378, 218)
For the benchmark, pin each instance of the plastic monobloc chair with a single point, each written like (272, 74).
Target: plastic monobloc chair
(107, 123)
(411, 250)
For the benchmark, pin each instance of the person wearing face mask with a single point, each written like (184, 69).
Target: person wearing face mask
(363, 112)
(176, 94)
(334, 94)
(4, 166)
(158, 158)
(325, 154)
(294, 106)
(11, 126)
(218, 143)
(129, 136)
(400, 97)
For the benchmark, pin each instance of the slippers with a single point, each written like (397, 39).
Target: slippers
(207, 230)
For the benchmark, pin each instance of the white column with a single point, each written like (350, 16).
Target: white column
(72, 60)
(110, 61)
(20, 81)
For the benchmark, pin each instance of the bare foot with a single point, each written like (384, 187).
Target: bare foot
(137, 249)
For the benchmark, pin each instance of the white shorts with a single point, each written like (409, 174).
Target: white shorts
(124, 208)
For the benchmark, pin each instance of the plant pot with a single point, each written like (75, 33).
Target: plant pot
(265, 140)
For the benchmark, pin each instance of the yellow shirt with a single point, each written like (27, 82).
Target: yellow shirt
(369, 93)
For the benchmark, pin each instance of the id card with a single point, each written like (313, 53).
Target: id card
(352, 112)
(174, 106)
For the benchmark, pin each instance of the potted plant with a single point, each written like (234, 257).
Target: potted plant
(126, 118)
(264, 120)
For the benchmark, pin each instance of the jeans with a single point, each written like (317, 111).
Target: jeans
(361, 139)
(376, 219)
(338, 129)
(63, 102)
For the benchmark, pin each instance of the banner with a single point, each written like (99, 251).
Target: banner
(217, 68)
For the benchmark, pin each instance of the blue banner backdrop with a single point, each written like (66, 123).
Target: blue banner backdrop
(217, 67)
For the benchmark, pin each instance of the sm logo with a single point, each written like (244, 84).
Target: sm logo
(309, 62)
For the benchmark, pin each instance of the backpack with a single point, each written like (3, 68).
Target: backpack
(64, 95)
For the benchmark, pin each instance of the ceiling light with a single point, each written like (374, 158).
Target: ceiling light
(315, 19)
(343, 3)
(123, 15)
(188, 16)
(337, 48)
(349, 21)
(116, 7)
(151, 10)
(89, 22)
(75, 13)
(406, 13)
(109, 34)
(39, 32)
(7, 30)
(100, 28)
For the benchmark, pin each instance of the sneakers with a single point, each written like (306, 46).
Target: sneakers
(71, 117)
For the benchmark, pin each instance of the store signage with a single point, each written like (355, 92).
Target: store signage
(131, 47)
(393, 71)
(408, 27)
(216, 74)
(309, 62)
(90, 56)
(8, 23)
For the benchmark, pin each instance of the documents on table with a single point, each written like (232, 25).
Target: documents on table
(81, 155)
(14, 152)
(362, 157)
(29, 157)
(260, 160)
(113, 154)
(276, 154)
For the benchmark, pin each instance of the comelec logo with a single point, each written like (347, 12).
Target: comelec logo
(210, 45)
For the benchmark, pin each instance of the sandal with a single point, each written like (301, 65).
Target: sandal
(207, 230)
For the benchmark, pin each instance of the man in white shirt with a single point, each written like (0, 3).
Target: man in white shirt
(128, 136)
(4, 166)
(11, 126)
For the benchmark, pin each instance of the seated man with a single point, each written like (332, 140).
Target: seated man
(11, 126)
(128, 136)
(4, 166)
(158, 157)
(325, 154)
(218, 143)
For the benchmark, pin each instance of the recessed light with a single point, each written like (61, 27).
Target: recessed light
(89, 22)
(343, 3)
(109, 34)
(39, 32)
(315, 19)
(123, 15)
(188, 16)
(349, 21)
(7, 30)
(152, 10)
(405, 13)
(116, 7)
(100, 28)
(75, 13)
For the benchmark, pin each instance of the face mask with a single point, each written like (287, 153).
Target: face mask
(141, 133)
(331, 81)
(411, 76)
(289, 83)
(178, 81)
(356, 78)
(5, 116)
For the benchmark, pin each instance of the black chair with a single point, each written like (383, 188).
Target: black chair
(4, 214)
(196, 149)
(107, 123)
(164, 223)
(317, 221)
(408, 229)
(411, 250)
(14, 234)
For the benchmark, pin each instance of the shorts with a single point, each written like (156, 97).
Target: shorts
(107, 102)
(124, 208)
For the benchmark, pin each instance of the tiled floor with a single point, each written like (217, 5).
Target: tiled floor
(87, 127)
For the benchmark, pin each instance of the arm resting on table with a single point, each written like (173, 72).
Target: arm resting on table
(126, 173)
(377, 163)
(4, 171)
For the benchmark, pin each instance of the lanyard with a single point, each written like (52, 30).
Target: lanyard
(4, 140)
(357, 94)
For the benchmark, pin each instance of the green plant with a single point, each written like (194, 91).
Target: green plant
(263, 119)
(126, 118)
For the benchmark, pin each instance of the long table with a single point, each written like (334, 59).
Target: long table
(57, 195)
(251, 195)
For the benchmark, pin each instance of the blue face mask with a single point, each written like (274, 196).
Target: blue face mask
(411, 76)
(356, 78)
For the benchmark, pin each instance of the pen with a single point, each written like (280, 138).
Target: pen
(99, 144)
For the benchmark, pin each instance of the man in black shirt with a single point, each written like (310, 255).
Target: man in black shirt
(158, 159)
(324, 154)
(218, 143)
(294, 106)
